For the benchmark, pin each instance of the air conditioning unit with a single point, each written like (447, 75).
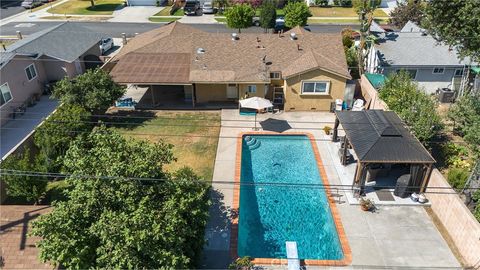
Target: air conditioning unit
(446, 95)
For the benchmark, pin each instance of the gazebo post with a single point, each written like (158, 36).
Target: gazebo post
(335, 130)
(362, 178)
(426, 178)
(344, 154)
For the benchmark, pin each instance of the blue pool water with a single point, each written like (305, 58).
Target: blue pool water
(271, 215)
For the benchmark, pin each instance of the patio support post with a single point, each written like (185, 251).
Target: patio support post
(193, 95)
(426, 178)
(344, 154)
(153, 96)
(335, 130)
(363, 178)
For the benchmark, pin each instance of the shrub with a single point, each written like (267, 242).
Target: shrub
(456, 156)
(457, 177)
(321, 2)
(244, 263)
(343, 3)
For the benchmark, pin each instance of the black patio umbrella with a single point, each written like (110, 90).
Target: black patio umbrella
(276, 125)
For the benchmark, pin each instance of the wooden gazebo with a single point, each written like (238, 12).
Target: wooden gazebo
(380, 137)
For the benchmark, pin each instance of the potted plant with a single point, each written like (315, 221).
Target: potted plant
(366, 204)
(327, 130)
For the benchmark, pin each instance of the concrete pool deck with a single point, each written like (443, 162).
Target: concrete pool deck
(393, 237)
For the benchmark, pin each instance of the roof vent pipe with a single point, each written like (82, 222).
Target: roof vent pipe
(200, 50)
(124, 38)
(19, 35)
(234, 36)
(293, 36)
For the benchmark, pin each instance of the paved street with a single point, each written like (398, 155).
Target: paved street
(116, 29)
(10, 7)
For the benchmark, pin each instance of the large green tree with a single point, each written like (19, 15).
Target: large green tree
(365, 5)
(456, 23)
(412, 104)
(239, 16)
(94, 91)
(268, 15)
(109, 220)
(465, 113)
(411, 10)
(296, 14)
(19, 184)
(54, 136)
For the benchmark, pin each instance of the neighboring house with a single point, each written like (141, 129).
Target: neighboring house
(297, 70)
(61, 51)
(431, 64)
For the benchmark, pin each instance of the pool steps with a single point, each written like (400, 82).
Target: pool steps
(252, 143)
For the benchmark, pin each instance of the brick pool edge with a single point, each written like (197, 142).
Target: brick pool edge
(347, 253)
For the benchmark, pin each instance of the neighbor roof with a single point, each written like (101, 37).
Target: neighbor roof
(66, 42)
(415, 48)
(380, 136)
(215, 57)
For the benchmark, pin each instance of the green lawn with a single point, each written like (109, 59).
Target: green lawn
(194, 136)
(162, 19)
(166, 12)
(340, 12)
(222, 19)
(83, 7)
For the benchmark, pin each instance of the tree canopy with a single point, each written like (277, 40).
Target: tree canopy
(412, 104)
(465, 113)
(30, 188)
(296, 14)
(370, 5)
(94, 90)
(239, 16)
(268, 15)
(53, 137)
(411, 10)
(110, 220)
(456, 23)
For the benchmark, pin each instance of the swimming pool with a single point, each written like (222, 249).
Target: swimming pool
(271, 214)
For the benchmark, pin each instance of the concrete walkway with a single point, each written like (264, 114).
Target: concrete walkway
(393, 237)
(134, 14)
(16, 130)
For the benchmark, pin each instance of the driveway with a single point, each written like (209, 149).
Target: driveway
(204, 19)
(134, 14)
(10, 7)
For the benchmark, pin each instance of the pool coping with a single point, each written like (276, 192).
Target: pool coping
(347, 253)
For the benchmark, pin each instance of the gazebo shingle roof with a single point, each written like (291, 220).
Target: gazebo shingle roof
(381, 137)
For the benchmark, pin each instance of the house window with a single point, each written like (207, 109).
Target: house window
(315, 87)
(6, 95)
(31, 72)
(275, 75)
(411, 72)
(252, 89)
(438, 70)
(458, 72)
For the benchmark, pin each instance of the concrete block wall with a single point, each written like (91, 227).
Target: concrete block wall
(457, 219)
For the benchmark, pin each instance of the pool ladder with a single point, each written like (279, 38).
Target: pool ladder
(252, 143)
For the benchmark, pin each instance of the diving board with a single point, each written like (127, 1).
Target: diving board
(292, 255)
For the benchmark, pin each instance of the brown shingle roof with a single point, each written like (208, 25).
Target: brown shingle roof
(18, 248)
(247, 59)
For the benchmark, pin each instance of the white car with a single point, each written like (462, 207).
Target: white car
(106, 44)
(208, 8)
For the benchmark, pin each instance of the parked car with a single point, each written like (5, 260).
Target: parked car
(256, 21)
(29, 4)
(280, 25)
(192, 7)
(208, 8)
(106, 44)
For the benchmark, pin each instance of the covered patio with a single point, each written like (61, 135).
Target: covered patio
(387, 156)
